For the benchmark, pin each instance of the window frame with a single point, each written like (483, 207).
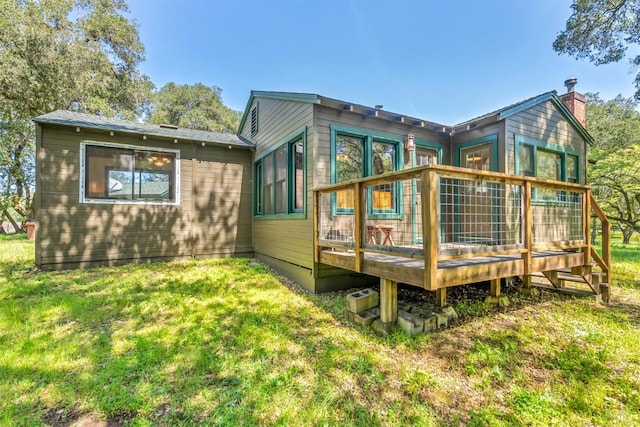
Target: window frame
(135, 148)
(369, 138)
(564, 152)
(290, 211)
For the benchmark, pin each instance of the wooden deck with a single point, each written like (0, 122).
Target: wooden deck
(451, 272)
(472, 226)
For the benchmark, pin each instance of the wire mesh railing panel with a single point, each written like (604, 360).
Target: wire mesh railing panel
(557, 216)
(336, 225)
(477, 216)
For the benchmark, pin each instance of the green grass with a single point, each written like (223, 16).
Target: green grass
(225, 342)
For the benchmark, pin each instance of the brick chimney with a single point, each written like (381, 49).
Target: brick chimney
(574, 101)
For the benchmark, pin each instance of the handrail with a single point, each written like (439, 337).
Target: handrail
(603, 261)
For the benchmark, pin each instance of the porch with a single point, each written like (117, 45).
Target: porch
(440, 226)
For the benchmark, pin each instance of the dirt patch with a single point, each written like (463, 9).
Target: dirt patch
(65, 417)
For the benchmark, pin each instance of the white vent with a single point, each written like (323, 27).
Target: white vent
(254, 121)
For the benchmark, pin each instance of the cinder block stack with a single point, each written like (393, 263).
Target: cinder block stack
(362, 309)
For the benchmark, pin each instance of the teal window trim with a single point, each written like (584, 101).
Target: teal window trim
(369, 138)
(564, 153)
(258, 166)
(483, 140)
(493, 139)
(546, 146)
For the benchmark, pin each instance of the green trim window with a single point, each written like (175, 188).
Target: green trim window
(357, 154)
(280, 179)
(546, 161)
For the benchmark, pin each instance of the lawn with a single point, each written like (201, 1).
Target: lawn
(226, 342)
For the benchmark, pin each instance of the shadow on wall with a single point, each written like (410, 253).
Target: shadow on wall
(213, 217)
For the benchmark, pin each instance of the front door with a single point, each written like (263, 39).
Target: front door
(475, 207)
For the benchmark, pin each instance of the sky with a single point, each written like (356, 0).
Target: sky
(445, 61)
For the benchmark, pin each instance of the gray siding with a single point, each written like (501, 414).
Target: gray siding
(212, 218)
(288, 242)
(545, 123)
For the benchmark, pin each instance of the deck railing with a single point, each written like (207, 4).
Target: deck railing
(443, 212)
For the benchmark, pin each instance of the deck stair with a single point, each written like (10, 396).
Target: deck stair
(597, 281)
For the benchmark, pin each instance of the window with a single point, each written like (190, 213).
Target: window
(296, 189)
(546, 161)
(254, 120)
(355, 155)
(279, 179)
(119, 173)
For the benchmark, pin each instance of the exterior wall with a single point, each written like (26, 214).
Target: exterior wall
(544, 122)
(403, 228)
(285, 241)
(212, 218)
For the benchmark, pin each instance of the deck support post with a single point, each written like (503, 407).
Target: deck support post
(441, 297)
(527, 238)
(388, 301)
(495, 288)
(359, 221)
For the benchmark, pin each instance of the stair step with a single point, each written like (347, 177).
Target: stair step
(567, 291)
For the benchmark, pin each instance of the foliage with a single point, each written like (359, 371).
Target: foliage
(80, 55)
(223, 342)
(194, 107)
(601, 31)
(615, 126)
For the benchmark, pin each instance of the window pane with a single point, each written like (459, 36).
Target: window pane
(478, 157)
(549, 165)
(267, 163)
(572, 168)
(383, 161)
(348, 166)
(281, 180)
(108, 172)
(348, 158)
(154, 175)
(426, 156)
(298, 175)
(259, 188)
(526, 160)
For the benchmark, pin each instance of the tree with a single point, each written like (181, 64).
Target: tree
(601, 31)
(193, 106)
(615, 127)
(80, 55)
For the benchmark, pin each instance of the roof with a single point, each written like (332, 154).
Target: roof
(497, 115)
(71, 118)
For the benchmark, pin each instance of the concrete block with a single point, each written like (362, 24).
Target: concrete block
(410, 323)
(348, 314)
(442, 320)
(450, 312)
(529, 291)
(362, 300)
(502, 301)
(431, 323)
(367, 317)
(405, 306)
(383, 329)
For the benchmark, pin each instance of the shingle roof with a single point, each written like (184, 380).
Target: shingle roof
(71, 118)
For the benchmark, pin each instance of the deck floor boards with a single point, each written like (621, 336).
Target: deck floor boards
(451, 272)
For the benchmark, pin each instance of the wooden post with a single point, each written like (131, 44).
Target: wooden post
(586, 214)
(495, 288)
(316, 224)
(359, 219)
(430, 228)
(388, 301)
(441, 297)
(527, 233)
(606, 247)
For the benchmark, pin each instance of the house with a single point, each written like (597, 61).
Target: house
(328, 192)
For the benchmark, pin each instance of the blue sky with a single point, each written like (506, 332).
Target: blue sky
(445, 61)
